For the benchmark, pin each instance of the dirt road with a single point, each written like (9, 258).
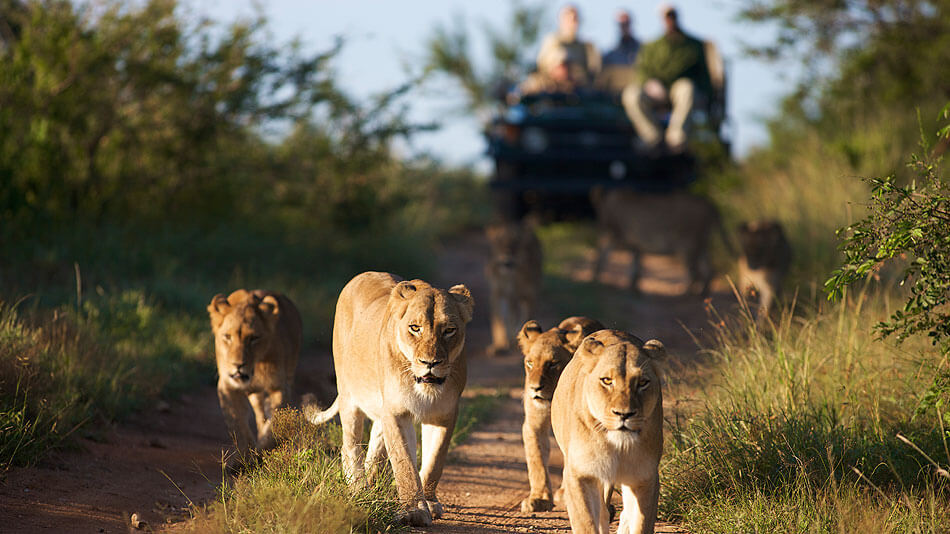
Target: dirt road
(156, 469)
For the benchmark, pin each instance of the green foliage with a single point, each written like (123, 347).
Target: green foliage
(798, 431)
(867, 65)
(448, 54)
(910, 223)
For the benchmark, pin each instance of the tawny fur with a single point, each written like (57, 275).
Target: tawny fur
(677, 224)
(514, 277)
(765, 260)
(607, 415)
(257, 345)
(546, 353)
(393, 341)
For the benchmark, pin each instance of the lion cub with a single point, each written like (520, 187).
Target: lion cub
(545, 355)
(514, 276)
(257, 343)
(766, 257)
(607, 415)
(397, 350)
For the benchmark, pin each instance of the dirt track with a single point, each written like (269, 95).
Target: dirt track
(155, 470)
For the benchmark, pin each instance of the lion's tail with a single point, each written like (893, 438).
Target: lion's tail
(317, 416)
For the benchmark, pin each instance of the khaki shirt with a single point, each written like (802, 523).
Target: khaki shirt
(582, 57)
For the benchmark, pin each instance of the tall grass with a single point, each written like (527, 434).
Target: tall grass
(64, 368)
(799, 430)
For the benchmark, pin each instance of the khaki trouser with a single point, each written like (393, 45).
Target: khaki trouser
(640, 107)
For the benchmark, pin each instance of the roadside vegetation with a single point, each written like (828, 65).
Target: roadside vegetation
(820, 420)
(149, 161)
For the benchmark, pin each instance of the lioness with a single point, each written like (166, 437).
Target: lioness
(514, 276)
(766, 257)
(397, 349)
(675, 223)
(607, 415)
(545, 355)
(257, 344)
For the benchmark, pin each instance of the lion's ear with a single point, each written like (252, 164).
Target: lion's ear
(218, 308)
(655, 349)
(528, 334)
(590, 348)
(576, 329)
(403, 290)
(463, 297)
(574, 337)
(270, 310)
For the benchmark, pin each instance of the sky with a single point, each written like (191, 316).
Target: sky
(383, 37)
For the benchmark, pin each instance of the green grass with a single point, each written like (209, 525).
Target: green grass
(299, 487)
(63, 369)
(798, 431)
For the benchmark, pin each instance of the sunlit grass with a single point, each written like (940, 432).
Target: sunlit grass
(299, 487)
(798, 432)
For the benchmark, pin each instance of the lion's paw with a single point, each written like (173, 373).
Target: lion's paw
(532, 504)
(418, 517)
(435, 508)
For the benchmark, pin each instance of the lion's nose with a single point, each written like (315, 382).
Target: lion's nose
(430, 363)
(625, 415)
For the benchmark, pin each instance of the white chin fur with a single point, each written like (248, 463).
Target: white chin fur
(623, 439)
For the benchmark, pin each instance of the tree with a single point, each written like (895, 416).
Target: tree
(868, 65)
(448, 53)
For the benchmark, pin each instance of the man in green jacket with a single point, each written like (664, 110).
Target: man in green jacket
(671, 69)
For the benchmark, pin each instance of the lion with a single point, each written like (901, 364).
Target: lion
(765, 260)
(607, 415)
(676, 223)
(397, 350)
(514, 276)
(545, 355)
(257, 336)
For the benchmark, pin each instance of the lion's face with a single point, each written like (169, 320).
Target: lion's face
(430, 328)
(622, 388)
(243, 326)
(761, 242)
(547, 353)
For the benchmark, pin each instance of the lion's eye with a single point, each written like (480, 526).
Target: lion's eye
(449, 332)
(528, 364)
(415, 329)
(606, 381)
(253, 339)
(643, 384)
(227, 338)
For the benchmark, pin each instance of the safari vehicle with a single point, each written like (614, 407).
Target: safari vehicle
(551, 149)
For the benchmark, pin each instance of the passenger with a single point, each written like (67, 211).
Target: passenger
(625, 53)
(670, 70)
(558, 78)
(583, 59)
